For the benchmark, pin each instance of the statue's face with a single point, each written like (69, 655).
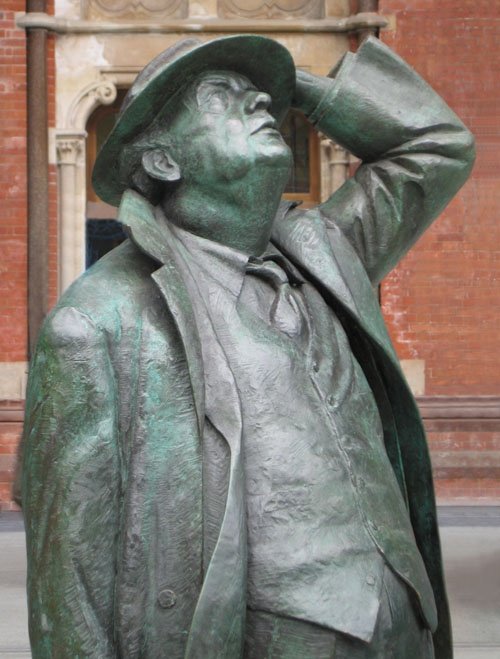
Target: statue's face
(224, 131)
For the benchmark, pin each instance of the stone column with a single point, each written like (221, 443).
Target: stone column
(335, 162)
(72, 192)
(70, 150)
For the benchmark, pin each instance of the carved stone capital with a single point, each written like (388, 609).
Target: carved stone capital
(70, 148)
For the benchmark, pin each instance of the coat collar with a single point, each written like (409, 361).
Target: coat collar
(323, 255)
(155, 240)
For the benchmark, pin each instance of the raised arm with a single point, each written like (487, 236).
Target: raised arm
(415, 152)
(70, 490)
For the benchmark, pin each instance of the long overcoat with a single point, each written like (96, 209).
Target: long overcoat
(112, 486)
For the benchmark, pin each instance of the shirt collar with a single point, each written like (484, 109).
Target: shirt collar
(224, 264)
(227, 265)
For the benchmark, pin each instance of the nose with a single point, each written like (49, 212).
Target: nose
(257, 101)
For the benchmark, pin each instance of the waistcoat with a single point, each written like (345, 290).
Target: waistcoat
(314, 456)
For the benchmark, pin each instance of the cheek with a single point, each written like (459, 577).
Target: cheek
(225, 140)
(235, 139)
(233, 128)
(215, 158)
(232, 149)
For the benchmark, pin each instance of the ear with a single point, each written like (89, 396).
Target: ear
(160, 165)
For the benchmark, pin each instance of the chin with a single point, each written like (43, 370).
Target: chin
(276, 155)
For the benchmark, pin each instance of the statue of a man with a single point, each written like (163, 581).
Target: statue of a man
(222, 458)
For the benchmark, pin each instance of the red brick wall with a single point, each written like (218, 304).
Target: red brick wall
(470, 475)
(11, 414)
(13, 265)
(13, 238)
(53, 226)
(13, 228)
(441, 303)
(13, 225)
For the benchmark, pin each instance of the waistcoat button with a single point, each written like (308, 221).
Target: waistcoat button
(315, 367)
(166, 598)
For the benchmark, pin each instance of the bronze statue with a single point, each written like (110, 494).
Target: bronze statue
(222, 458)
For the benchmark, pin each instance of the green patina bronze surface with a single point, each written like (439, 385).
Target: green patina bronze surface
(142, 482)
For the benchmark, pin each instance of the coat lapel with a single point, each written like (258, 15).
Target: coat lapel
(218, 621)
(217, 628)
(137, 216)
(327, 257)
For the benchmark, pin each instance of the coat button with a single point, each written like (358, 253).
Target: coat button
(315, 366)
(166, 598)
(370, 580)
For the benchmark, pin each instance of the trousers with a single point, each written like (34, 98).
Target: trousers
(399, 633)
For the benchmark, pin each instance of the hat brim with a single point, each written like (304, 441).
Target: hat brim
(265, 62)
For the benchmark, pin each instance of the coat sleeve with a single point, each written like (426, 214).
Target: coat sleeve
(416, 154)
(70, 490)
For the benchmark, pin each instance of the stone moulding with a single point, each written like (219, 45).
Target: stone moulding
(265, 9)
(59, 25)
(99, 92)
(460, 413)
(134, 9)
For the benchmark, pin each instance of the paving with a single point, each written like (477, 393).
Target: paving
(471, 550)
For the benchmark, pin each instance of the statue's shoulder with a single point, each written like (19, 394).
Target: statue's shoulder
(106, 297)
(296, 227)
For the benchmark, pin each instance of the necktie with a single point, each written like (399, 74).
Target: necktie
(285, 311)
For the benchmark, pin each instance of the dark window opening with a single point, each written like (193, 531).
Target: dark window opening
(295, 130)
(101, 237)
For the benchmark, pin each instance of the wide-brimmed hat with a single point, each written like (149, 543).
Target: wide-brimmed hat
(265, 62)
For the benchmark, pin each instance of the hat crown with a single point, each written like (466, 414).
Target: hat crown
(156, 66)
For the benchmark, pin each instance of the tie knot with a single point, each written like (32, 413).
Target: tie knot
(268, 270)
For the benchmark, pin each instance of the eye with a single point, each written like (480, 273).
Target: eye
(213, 100)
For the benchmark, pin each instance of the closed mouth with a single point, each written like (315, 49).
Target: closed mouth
(268, 123)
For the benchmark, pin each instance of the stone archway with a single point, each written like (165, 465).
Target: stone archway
(71, 153)
(71, 148)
